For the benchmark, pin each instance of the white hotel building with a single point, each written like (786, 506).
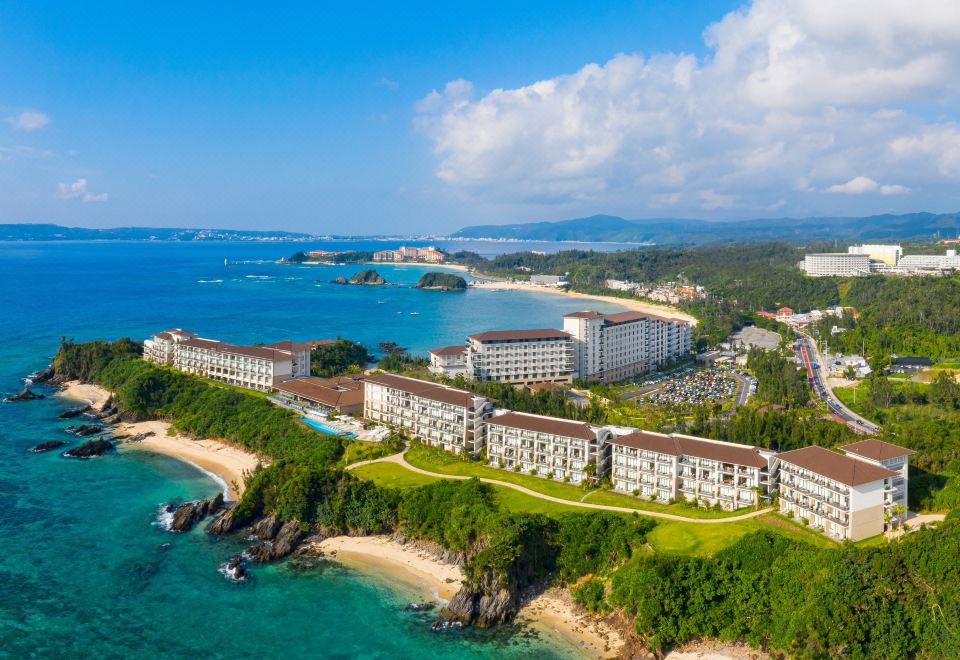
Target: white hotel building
(522, 357)
(449, 360)
(554, 448)
(679, 467)
(440, 416)
(840, 264)
(614, 347)
(845, 497)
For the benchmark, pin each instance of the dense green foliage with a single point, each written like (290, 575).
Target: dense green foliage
(401, 361)
(596, 543)
(435, 280)
(454, 514)
(367, 276)
(777, 429)
(342, 356)
(541, 402)
(779, 381)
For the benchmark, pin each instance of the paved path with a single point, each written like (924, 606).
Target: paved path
(401, 459)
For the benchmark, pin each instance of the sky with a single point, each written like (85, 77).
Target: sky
(425, 117)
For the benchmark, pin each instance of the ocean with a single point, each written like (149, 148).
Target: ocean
(85, 569)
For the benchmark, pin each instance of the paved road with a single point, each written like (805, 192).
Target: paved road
(825, 394)
(400, 459)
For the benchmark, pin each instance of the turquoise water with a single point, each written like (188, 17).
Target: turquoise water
(323, 428)
(83, 567)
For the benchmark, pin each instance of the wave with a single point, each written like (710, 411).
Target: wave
(164, 518)
(259, 277)
(209, 281)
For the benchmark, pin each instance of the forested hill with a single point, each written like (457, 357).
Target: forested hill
(673, 231)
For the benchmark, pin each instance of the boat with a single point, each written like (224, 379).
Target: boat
(381, 302)
(414, 313)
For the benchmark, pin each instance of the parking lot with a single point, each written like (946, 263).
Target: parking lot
(713, 385)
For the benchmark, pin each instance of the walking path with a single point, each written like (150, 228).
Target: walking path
(401, 459)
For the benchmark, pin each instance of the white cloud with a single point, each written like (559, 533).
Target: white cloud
(795, 96)
(78, 190)
(855, 186)
(29, 120)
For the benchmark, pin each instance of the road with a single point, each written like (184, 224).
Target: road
(813, 362)
(400, 459)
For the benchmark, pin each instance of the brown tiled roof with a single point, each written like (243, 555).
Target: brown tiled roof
(339, 391)
(685, 445)
(510, 335)
(459, 349)
(424, 388)
(163, 335)
(288, 345)
(626, 317)
(876, 450)
(836, 466)
(582, 315)
(542, 424)
(248, 351)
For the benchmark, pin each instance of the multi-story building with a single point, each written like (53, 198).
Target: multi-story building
(448, 360)
(549, 447)
(342, 394)
(162, 347)
(549, 280)
(429, 254)
(674, 467)
(889, 456)
(840, 264)
(440, 416)
(613, 347)
(521, 357)
(888, 254)
(300, 350)
(913, 263)
(253, 367)
(846, 497)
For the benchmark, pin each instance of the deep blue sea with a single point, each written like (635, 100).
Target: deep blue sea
(84, 570)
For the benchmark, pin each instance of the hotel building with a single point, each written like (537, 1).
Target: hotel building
(162, 347)
(885, 455)
(521, 357)
(614, 347)
(449, 360)
(674, 467)
(840, 264)
(342, 395)
(300, 350)
(429, 254)
(440, 416)
(846, 497)
(555, 448)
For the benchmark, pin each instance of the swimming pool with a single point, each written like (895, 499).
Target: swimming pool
(324, 428)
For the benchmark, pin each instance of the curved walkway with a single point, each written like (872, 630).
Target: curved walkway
(401, 460)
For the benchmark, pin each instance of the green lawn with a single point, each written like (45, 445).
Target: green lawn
(436, 460)
(361, 450)
(391, 475)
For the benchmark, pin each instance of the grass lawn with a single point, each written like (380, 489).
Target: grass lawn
(436, 460)
(361, 450)
(391, 475)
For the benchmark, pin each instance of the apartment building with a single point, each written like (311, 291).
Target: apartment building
(844, 496)
(840, 264)
(449, 360)
(546, 446)
(614, 347)
(522, 357)
(889, 456)
(440, 416)
(674, 467)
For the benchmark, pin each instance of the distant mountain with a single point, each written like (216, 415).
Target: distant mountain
(673, 231)
(46, 232)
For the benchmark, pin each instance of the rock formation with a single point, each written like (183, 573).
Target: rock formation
(74, 412)
(47, 446)
(83, 430)
(189, 513)
(90, 448)
(24, 395)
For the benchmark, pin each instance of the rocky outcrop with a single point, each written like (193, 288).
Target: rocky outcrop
(83, 430)
(367, 277)
(25, 395)
(483, 605)
(189, 513)
(47, 446)
(266, 528)
(48, 375)
(235, 569)
(74, 412)
(90, 448)
(140, 437)
(225, 524)
(339, 280)
(285, 542)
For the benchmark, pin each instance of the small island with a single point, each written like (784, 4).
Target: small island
(442, 282)
(368, 277)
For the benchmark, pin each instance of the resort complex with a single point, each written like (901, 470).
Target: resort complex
(427, 255)
(883, 259)
(521, 357)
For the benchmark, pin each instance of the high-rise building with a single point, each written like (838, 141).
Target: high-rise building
(522, 357)
(839, 264)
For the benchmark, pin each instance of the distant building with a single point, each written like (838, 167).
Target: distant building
(449, 360)
(614, 347)
(888, 254)
(429, 254)
(907, 364)
(343, 394)
(548, 280)
(930, 262)
(839, 264)
(521, 357)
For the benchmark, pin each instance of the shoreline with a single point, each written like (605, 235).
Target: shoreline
(226, 463)
(628, 303)
(552, 612)
(419, 264)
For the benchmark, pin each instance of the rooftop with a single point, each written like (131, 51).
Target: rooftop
(458, 349)
(876, 450)
(543, 424)
(686, 445)
(247, 351)
(424, 388)
(339, 391)
(515, 335)
(840, 468)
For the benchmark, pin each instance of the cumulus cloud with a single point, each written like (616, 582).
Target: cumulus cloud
(78, 190)
(29, 120)
(796, 98)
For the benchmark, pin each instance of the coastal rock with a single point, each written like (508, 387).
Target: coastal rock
(339, 280)
(25, 395)
(235, 569)
(483, 607)
(83, 430)
(224, 524)
(47, 375)
(285, 542)
(90, 448)
(266, 528)
(74, 412)
(189, 513)
(140, 437)
(47, 446)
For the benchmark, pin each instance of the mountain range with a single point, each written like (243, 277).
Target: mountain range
(674, 231)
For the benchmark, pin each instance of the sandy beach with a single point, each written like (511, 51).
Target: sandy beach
(552, 612)
(419, 264)
(627, 303)
(226, 461)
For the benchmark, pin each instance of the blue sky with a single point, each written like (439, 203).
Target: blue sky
(352, 120)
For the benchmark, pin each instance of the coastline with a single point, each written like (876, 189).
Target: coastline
(552, 612)
(420, 264)
(629, 303)
(226, 462)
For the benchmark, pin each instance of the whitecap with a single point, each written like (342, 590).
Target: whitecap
(209, 281)
(258, 277)
(164, 518)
